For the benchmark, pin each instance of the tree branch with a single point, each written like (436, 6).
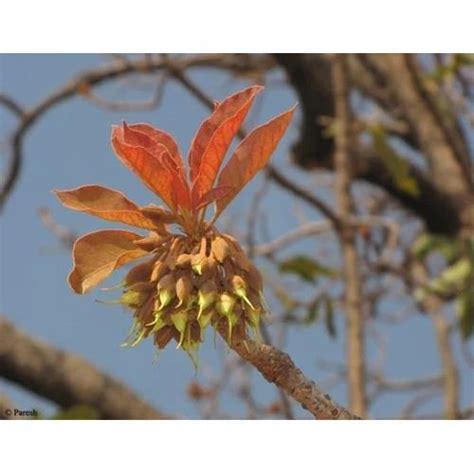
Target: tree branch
(444, 209)
(355, 339)
(81, 85)
(66, 379)
(278, 368)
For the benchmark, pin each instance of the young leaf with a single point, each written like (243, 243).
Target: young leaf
(158, 136)
(306, 268)
(98, 254)
(146, 161)
(107, 204)
(214, 137)
(213, 195)
(251, 156)
(395, 165)
(313, 312)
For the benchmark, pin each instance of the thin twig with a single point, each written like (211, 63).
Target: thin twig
(355, 338)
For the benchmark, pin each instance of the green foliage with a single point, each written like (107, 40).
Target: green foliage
(444, 71)
(426, 244)
(394, 163)
(454, 281)
(306, 268)
(324, 305)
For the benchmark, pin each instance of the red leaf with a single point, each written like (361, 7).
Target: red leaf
(213, 195)
(214, 136)
(148, 159)
(251, 156)
(107, 204)
(158, 136)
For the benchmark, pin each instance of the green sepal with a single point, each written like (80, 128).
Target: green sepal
(179, 321)
(165, 296)
(232, 320)
(158, 325)
(204, 301)
(139, 338)
(133, 298)
(132, 334)
(254, 322)
(204, 319)
(242, 294)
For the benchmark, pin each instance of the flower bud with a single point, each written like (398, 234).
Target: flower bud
(166, 290)
(156, 318)
(220, 249)
(183, 260)
(239, 287)
(225, 304)
(206, 296)
(158, 270)
(184, 287)
(136, 294)
(197, 263)
(164, 335)
(140, 273)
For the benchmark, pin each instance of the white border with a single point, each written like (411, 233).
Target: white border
(244, 26)
(237, 446)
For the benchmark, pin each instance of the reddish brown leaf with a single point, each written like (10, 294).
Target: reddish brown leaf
(213, 195)
(107, 204)
(180, 194)
(159, 136)
(98, 254)
(214, 137)
(147, 163)
(251, 156)
(158, 214)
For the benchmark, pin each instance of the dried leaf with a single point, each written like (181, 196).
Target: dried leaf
(107, 204)
(252, 155)
(98, 254)
(214, 137)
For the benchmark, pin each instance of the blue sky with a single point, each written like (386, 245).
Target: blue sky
(69, 147)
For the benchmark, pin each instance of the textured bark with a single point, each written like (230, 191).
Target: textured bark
(355, 339)
(450, 371)
(278, 368)
(66, 379)
(445, 205)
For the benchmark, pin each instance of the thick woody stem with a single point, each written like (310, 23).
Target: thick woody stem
(277, 367)
(352, 298)
(66, 379)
